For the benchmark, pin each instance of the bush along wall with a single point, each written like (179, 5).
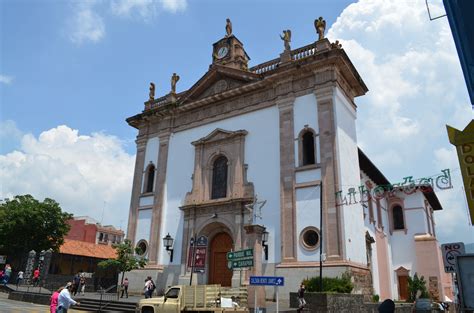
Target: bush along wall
(330, 284)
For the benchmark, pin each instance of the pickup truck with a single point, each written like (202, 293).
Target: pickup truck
(197, 298)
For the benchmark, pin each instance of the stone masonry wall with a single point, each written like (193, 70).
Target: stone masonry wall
(341, 303)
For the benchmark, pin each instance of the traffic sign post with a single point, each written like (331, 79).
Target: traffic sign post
(242, 254)
(240, 259)
(268, 281)
(450, 251)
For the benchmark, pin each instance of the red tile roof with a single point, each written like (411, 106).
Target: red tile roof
(88, 249)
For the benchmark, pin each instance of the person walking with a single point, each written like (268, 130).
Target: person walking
(36, 275)
(301, 300)
(64, 299)
(54, 300)
(149, 287)
(7, 274)
(125, 287)
(76, 280)
(82, 284)
(19, 278)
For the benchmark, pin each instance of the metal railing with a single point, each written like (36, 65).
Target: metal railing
(106, 296)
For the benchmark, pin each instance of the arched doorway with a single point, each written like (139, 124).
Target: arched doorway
(218, 271)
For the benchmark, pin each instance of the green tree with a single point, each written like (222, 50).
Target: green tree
(416, 286)
(26, 224)
(126, 260)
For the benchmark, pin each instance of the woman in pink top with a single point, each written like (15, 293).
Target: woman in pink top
(54, 300)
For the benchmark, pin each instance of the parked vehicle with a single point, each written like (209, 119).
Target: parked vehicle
(198, 298)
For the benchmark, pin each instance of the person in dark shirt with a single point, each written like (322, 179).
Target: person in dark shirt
(301, 300)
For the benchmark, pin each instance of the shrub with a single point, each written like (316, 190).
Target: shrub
(337, 285)
(416, 286)
(375, 298)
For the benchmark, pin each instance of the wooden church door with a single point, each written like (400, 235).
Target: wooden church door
(219, 273)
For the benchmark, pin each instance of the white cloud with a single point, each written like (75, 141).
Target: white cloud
(5, 79)
(174, 5)
(86, 24)
(416, 87)
(80, 172)
(145, 9)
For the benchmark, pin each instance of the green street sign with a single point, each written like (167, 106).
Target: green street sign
(242, 254)
(242, 263)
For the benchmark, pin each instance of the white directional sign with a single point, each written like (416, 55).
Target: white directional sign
(450, 251)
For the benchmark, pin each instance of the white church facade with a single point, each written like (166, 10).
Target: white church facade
(274, 132)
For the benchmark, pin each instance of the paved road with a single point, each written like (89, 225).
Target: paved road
(11, 306)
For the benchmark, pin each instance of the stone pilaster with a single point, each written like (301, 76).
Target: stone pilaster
(254, 241)
(287, 179)
(155, 238)
(136, 188)
(332, 236)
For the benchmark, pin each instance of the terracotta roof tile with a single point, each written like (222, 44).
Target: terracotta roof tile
(75, 247)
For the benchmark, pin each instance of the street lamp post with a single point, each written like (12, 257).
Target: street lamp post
(168, 243)
(193, 246)
(321, 237)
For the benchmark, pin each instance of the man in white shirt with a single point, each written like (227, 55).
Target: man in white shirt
(65, 300)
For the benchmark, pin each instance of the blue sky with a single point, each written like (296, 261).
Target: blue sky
(71, 72)
(94, 85)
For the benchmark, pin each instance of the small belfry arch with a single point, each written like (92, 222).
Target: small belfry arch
(149, 182)
(396, 216)
(307, 152)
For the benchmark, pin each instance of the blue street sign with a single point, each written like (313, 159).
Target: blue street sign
(267, 281)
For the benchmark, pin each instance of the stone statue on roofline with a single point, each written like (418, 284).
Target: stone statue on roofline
(336, 45)
(286, 39)
(228, 28)
(152, 92)
(320, 25)
(174, 80)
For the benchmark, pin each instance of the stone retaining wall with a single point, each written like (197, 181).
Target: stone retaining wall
(37, 298)
(341, 303)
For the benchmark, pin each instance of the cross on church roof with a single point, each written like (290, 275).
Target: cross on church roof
(256, 208)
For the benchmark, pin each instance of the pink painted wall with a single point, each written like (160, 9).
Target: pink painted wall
(430, 263)
(383, 265)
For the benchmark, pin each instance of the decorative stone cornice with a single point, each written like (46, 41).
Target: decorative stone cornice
(331, 66)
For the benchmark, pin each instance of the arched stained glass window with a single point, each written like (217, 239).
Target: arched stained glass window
(219, 178)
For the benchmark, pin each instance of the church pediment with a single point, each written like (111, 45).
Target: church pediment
(219, 135)
(218, 80)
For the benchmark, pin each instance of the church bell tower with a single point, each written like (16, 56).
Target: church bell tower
(229, 51)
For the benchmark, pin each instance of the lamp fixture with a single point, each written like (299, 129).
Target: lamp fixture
(168, 243)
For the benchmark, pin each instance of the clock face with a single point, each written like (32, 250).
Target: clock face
(222, 52)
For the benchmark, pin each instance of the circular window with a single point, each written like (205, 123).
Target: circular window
(141, 247)
(309, 238)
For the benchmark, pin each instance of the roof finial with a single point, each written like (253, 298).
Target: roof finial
(286, 39)
(152, 92)
(320, 25)
(174, 80)
(228, 28)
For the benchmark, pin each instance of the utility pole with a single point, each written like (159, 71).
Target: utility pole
(321, 237)
(193, 244)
